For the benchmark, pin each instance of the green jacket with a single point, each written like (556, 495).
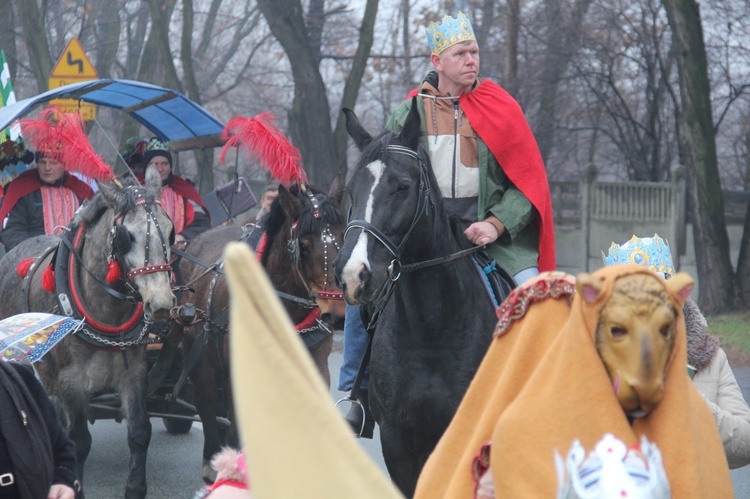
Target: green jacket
(517, 249)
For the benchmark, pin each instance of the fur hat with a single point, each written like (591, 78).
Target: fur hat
(156, 147)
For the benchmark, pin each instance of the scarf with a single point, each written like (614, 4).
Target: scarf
(27, 441)
(58, 206)
(174, 205)
(702, 346)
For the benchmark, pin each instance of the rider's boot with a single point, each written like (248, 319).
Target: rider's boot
(355, 415)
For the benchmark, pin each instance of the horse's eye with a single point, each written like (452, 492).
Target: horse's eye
(304, 247)
(664, 331)
(403, 187)
(618, 332)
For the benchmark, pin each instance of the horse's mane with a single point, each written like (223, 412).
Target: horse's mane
(92, 210)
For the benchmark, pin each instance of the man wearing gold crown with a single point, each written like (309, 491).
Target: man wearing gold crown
(42, 200)
(179, 198)
(487, 164)
(483, 153)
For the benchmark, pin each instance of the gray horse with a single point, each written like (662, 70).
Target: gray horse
(122, 223)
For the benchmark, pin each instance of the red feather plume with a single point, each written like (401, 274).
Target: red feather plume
(260, 137)
(65, 135)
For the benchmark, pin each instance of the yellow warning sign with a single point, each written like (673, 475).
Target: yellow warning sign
(73, 66)
(74, 63)
(85, 109)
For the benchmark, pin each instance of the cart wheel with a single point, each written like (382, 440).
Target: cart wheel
(177, 426)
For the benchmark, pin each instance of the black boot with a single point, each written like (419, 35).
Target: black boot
(356, 414)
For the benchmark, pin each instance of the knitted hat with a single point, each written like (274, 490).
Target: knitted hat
(156, 147)
(134, 148)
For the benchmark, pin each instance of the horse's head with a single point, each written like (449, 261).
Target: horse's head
(635, 334)
(139, 239)
(312, 226)
(390, 190)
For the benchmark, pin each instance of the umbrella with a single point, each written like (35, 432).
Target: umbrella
(29, 336)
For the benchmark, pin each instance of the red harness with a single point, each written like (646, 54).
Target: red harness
(104, 328)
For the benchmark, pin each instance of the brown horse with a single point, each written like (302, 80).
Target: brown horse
(303, 232)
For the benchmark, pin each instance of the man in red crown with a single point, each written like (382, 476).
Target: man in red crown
(41, 201)
(179, 198)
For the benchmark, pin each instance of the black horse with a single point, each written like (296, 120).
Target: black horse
(411, 264)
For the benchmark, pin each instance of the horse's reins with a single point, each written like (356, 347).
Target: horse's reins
(76, 307)
(216, 267)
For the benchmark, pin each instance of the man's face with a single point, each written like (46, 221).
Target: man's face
(162, 166)
(459, 65)
(50, 170)
(267, 200)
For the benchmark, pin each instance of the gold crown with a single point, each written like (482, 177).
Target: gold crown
(449, 32)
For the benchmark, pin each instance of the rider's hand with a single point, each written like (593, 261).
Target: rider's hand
(481, 233)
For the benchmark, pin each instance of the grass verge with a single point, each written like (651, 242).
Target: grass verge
(733, 330)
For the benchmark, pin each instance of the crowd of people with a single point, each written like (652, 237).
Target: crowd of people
(491, 176)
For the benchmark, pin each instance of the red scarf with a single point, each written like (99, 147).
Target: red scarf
(499, 121)
(28, 182)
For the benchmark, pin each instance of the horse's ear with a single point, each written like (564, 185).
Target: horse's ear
(153, 180)
(337, 190)
(356, 130)
(291, 205)
(410, 134)
(111, 194)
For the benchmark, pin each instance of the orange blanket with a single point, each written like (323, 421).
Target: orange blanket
(542, 385)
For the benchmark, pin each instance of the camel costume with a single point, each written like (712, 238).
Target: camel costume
(542, 385)
(295, 443)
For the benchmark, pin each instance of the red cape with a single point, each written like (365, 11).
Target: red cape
(28, 182)
(499, 121)
(186, 189)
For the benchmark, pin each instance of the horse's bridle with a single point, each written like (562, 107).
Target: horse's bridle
(395, 268)
(326, 237)
(140, 202)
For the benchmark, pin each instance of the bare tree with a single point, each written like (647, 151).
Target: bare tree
(310, 116)
(718, 289)
(561, 43)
